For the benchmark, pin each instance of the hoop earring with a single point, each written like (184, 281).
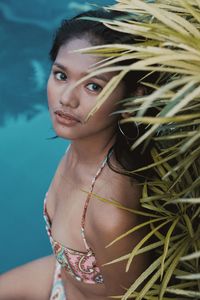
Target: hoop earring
(127, 137)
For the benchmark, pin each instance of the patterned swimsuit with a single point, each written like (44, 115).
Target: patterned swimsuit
(82, 266)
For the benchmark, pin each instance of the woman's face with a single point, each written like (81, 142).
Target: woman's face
(69, 107)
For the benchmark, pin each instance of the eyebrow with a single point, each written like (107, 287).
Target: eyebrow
(99, 76)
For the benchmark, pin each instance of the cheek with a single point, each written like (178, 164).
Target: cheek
(111, 105)
(103, 115)
(108, 107)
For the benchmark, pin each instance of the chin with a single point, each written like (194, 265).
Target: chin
(65, 133)
(62, 133)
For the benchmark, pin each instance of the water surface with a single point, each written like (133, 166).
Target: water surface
(28, 159)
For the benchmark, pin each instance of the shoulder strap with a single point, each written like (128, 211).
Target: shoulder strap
(67, 148)
(88, 198)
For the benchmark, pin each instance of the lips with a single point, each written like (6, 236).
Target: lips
(66, 116)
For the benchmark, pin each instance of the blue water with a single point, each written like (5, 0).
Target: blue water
(28, 159)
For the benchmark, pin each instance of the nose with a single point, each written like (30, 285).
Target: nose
(69, 97)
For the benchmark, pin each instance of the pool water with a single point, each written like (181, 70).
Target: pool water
(28, 158)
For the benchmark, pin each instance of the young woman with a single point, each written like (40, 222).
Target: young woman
(79, 225)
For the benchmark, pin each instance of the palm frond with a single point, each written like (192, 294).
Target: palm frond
(170, 45)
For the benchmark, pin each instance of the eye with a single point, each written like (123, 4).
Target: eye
(94, 87)
(59, 75)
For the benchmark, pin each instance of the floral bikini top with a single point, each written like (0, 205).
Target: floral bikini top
(81, 265)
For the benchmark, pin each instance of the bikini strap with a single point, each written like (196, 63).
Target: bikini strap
(89, 196)
(68, 148)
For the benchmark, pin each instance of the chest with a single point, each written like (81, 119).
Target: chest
(65, 204)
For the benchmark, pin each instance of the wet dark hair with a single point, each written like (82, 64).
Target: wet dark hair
(97, 34)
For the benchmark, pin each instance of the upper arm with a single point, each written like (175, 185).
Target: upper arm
(114, 222)
(31, 281)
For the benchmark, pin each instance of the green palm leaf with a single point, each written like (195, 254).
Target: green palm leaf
(170, 32)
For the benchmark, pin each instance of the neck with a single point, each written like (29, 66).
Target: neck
(91, 151)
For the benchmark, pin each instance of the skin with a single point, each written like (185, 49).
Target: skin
(100, 129)
(90, 144)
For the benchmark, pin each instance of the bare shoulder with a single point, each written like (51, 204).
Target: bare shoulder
(110, 222)
(124, 191)
(120, 188)
(31, 281)
(123, 188)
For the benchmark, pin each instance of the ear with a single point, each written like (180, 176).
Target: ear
(125, 115)
(140, 90)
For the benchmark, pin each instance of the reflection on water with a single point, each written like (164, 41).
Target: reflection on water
(24, 68)
(26, 33)
(44, 13)
(27, 158)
